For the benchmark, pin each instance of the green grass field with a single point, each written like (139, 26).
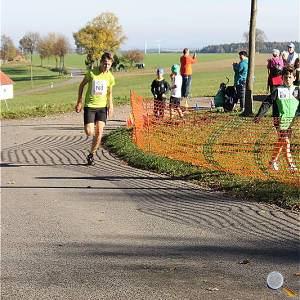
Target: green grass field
(211, 70)
(166, 60)
(151, 60)
(71, 61)
(20, 74)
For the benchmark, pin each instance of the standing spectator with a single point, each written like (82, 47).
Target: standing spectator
(285, 102)
(284, 56)
(240, 77)
(159, 88)
(186, 62)
(175, 91)
(274, 66)
(292, 54)
(297, 69)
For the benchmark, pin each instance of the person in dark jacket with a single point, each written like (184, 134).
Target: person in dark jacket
(285, 103)
(240, 76)
(159, 89)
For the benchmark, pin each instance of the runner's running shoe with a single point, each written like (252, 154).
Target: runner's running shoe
(90, 159)
(292, 167)
(273, 165)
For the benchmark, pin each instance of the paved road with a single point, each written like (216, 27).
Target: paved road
(110, 231)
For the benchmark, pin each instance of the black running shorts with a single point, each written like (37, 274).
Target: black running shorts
(175, 101)
(93, 115)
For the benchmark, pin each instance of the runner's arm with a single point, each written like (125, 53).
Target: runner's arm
(153, 89)
(110, 105)
(78, 106)
(266, 104)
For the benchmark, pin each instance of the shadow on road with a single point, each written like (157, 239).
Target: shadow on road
(154, 194)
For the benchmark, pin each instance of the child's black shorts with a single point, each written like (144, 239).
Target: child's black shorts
(93, 115)
(175, 101)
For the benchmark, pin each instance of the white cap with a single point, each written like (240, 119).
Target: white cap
(276, 51)
(291, 45)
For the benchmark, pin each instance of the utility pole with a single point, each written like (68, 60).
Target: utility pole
(250, 76)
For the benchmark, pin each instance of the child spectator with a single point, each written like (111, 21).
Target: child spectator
(274, 66)
(284, 56)
(285, 102)
(175, 90)
(159, 88)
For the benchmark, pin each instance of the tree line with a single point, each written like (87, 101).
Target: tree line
(266, 47)
(261, 45)
(103, 33)
(53, 44)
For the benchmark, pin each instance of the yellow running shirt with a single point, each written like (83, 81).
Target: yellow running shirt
(98, 87)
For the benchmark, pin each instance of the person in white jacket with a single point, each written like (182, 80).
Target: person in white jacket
(292, 54)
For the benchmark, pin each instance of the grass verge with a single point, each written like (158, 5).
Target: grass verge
(37, 111)
(272, 192)
(41, 104)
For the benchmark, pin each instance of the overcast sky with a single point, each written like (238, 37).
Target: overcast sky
(176, 24)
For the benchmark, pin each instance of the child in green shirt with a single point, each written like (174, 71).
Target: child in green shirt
(285, 102)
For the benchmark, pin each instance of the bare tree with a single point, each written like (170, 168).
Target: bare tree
(28, 44)
(260, 38)
(249, 82)
(61, 48)
(8, 50)
(52, 38)
(43, 49)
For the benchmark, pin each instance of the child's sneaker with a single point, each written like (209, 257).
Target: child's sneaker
(273, 165)
(292, 167)
(90, 159)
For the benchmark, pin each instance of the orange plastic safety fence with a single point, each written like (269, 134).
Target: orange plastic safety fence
(218, 141)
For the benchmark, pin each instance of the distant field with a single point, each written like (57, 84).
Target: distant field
(71, 61)
(151, 60)
(209, 72)
(166, 60)
(20, 74)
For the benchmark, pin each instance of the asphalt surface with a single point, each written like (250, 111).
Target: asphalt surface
(110, 231)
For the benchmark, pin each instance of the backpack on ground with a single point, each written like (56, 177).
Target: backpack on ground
(226, 97)
(231, 98)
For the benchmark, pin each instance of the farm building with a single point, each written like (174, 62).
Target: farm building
(6, 87)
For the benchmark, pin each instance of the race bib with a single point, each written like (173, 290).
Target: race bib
(283, 93)
(99, 87)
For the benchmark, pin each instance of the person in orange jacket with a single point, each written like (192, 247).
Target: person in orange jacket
(186, 62)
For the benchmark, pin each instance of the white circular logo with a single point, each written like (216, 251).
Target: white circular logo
(274, 280)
